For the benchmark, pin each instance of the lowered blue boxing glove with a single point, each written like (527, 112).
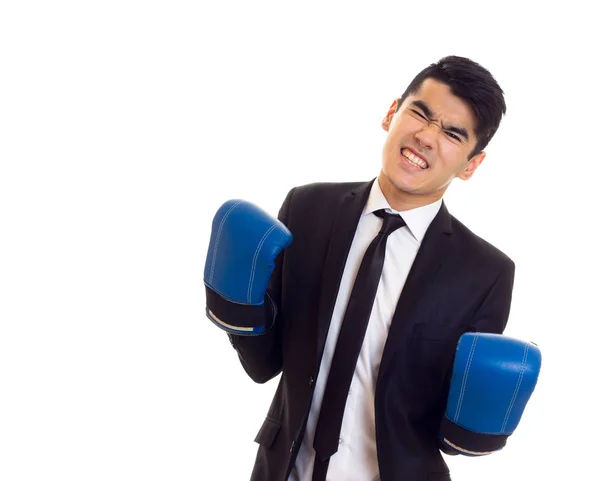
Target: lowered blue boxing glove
(244, 243)
(492, 380)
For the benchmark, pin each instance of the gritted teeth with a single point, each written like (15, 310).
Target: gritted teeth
(414, 159)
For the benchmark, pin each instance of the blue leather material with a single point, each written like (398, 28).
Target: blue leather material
(244, 243)
(492, 380)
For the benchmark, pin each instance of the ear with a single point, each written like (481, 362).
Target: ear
(387, 120)
(471, 166)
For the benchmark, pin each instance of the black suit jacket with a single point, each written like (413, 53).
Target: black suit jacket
(457, 283)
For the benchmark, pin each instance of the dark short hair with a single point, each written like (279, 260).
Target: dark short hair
(472, 83)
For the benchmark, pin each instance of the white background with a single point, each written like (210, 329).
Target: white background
(124, 125)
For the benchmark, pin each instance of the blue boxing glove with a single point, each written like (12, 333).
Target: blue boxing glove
(244, 243)
(492, 380)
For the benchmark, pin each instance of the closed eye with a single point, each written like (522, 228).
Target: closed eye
(419, 114)
(422, 110)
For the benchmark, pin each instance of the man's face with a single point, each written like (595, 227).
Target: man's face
(428, 143)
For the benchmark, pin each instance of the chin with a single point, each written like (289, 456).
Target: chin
(398, 183)
(397, 177)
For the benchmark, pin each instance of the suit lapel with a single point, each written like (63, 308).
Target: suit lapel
(340, 242)
(431, 254)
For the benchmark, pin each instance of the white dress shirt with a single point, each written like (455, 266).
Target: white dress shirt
(356, 458)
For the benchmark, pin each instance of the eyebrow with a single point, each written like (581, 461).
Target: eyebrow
(427, 111)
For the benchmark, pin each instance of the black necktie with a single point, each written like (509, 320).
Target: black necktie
(352, 333)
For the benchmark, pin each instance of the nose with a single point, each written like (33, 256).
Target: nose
(426, 136)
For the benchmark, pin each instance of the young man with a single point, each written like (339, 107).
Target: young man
(438, 281)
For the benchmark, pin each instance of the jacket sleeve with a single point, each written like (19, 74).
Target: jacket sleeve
(492, 316)
(260, 355)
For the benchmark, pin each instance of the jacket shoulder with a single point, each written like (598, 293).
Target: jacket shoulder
(478, 247)
(322, 196)
(325, 189)
(317, 204)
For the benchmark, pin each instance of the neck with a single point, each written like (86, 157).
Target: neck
(400, 200)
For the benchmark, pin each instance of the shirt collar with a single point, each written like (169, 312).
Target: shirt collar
(417, 219)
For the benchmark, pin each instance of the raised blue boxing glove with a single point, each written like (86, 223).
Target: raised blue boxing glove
(492, 380)
(244, 243)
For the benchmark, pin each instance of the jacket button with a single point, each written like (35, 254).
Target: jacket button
(311, 381)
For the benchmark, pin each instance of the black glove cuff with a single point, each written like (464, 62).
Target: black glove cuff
(239, 319)
(468, 442)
